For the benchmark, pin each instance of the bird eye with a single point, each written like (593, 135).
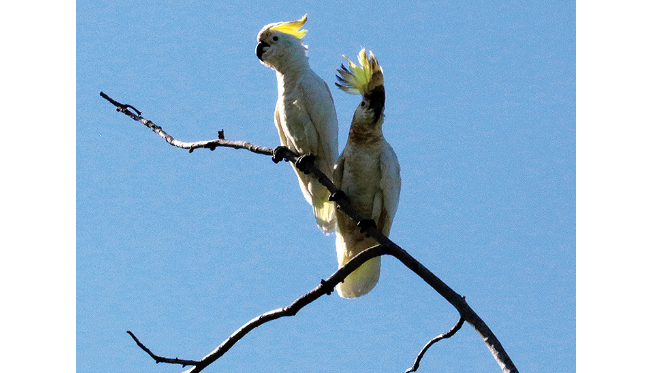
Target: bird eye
(275, 38)
(362, 103)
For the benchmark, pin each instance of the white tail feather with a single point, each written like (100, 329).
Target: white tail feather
(360, 281)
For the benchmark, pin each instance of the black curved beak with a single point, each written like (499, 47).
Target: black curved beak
(259, 51)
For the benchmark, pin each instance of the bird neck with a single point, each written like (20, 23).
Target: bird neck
(293, 65)
(366, 134)
(289, 74)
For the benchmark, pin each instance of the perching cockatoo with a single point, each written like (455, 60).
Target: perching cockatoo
(304, 113)
(367, 172)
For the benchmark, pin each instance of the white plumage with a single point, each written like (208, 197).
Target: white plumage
(305, 113)
(367, 172)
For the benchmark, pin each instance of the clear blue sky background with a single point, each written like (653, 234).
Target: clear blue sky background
(182, 249)
(107, 228)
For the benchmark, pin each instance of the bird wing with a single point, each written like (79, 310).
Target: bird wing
(338, 172)
(318, 103)
(317, 128)
(278, 125)
(389, 188)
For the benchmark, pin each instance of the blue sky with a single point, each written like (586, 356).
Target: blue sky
(183, 249)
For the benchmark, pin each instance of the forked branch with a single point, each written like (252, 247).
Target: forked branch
(385, 247)
(161, 359)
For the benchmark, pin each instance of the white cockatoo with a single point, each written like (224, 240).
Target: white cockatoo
(367, 172)
(304, 113)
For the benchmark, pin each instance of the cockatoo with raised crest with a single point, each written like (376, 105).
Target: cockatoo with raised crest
(367, 172)
(304, 113)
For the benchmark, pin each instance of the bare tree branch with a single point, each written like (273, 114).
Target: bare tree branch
(449, 334)
(210, 144)
(160, 359)
(326, 287)
(306, 164)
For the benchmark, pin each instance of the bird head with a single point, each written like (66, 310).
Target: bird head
(280, 43)
(365, 80)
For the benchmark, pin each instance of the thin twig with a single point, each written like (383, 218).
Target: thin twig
(449, 334)
(210, 144)
(385, 247)
(160, 359)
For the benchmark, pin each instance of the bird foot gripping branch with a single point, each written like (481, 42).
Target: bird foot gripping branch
(278, 154)
(365, 225)
(338, 196)
(304, 162)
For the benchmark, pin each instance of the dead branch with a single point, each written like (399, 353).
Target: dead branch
(160, 359)
(449, 334)
(386, 247)
(209, 144)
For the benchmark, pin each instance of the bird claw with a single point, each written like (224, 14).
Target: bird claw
(277, 154)
(303, 163)
(338, 196)
(365, 224)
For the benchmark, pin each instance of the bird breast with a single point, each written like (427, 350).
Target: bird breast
(362, 177)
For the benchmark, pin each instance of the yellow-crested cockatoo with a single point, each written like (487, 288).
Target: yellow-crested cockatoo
(367, 172)
(304, 113)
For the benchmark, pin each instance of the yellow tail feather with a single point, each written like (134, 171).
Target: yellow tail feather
(363, 279)
(324, 212)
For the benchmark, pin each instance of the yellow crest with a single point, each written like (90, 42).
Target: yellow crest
(292, 28)
(361, 79)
